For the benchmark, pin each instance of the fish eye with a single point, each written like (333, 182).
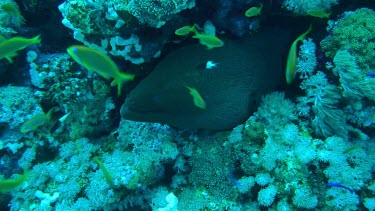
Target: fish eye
(75, 50)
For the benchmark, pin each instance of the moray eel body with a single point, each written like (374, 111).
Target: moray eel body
(244, 70)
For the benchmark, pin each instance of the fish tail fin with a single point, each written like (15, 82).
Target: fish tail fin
(10, 60)
(36, 39)
(194, 29)
(303, 36)
(127, 76)
(120, 80)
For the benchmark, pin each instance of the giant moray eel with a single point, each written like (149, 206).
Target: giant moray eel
(246, 69)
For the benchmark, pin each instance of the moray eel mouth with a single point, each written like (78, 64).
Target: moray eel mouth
(131, 107)
(130, 112)
(140, 111)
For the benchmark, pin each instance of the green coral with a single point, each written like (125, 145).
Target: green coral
(90, 21)
(255, 131)
(354, 32)
(90, 117)
(302, 7)
(11, 18)
(211, 163)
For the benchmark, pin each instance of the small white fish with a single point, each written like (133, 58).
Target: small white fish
(210, 65)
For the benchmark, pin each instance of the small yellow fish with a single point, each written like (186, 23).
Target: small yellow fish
(9, 47)
(37, 121)
(7, 185)
(183, 31)
(211, 41)
(197, 98)
(94, 61)
(291, 62)
(34, 123)
(319, 13)
(254, 11)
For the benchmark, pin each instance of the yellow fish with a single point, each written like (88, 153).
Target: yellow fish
(94, 61)
(197, 98)
(7, 185)
(9, 47)
(211, 41)
(319, 13)
(254, 11)
(183, 31)
(34, 123)
(107, 175)
(291, 62)
(37, 121)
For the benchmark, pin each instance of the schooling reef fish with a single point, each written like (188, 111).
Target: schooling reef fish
(95, 61)
(183, 31)
(291, 63)
(9, 47)
(247, 69)
(197, 98)
(254, 11)
(211, 41)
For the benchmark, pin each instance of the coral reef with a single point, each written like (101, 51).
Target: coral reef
(117, 27)
(157, 13)
(64, 145)
(353, 32)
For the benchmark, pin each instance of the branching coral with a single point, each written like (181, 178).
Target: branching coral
(324, 98)
(306, 62)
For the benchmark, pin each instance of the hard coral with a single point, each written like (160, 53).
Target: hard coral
(10, 17)
(156, 13)
(302, 7)
(15, 16)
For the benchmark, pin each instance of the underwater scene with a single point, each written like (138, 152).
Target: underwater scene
(187, 105)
